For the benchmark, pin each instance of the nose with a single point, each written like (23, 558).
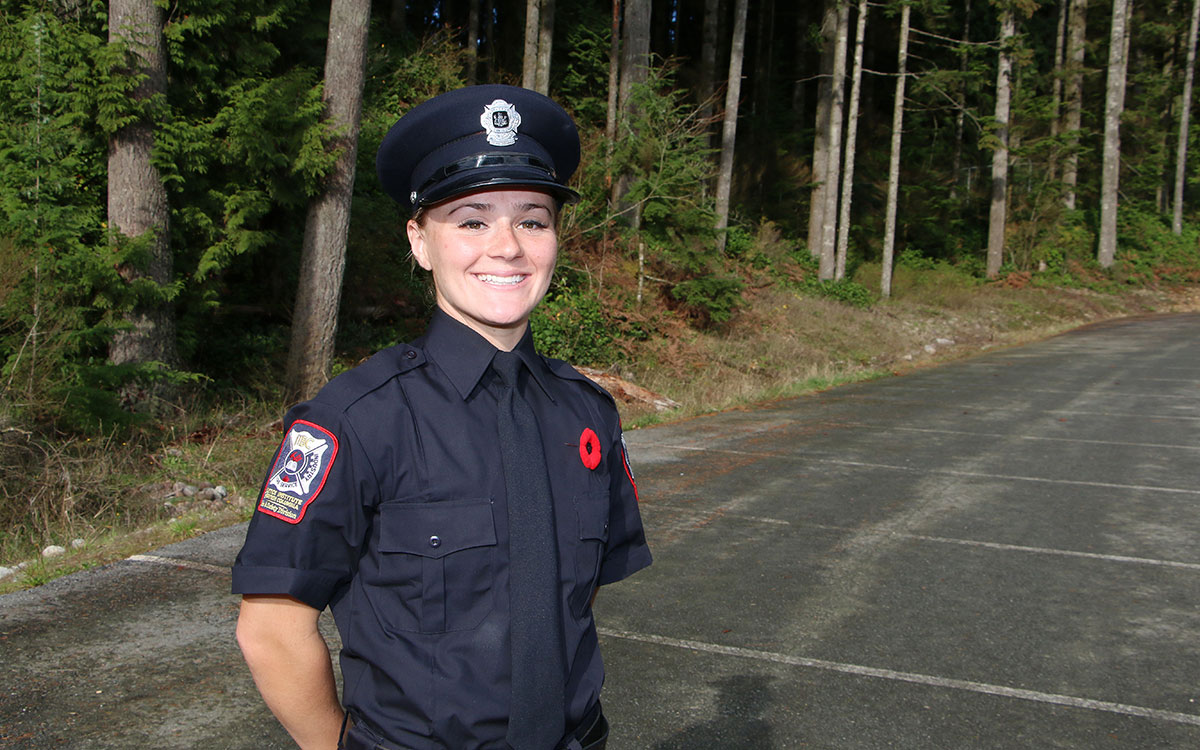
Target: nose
(506, 244)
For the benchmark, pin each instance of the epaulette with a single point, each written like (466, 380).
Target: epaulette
(352, 385)
(565, 371)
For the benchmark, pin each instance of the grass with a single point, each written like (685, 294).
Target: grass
(112, 492)
(116, 494)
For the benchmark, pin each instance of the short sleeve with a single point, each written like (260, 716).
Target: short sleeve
(310, 519)
(627, 551)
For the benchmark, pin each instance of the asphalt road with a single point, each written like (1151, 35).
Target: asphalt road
(997, 553)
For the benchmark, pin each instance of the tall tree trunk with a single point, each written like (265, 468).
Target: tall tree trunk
(545, 46)
(834, 151)
(843, 240)
(960, 100)
(1162, 191)
(1114, 105)
(822, 126)
(733, 90)
(472, 42)
(323, 256)
(1184, 115)
(1060, 44)
(708, 59)
(137, 198)
(635, 48)
(533, 29)
(635, 62)
(998, 215)
(614, 83)
(893, 197)
(1076, 46)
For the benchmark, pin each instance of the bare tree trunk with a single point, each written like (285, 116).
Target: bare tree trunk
(323, 256)
(733, 90)
(532, 31)
(635, 62)
(545, 45)
(635, 52)
(708, 59)
(472, 42)
(1162, 190)
(1076, 46)
(1184, 116)
(1060, 43)
(1114, 104)
(843, 239)
(893, 197)
(998, 215)
(961, 101)
(834, 152)
(137, 198)
(820, 159)
(614, 79)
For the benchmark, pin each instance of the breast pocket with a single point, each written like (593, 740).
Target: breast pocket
(591, 511)
(440, 558)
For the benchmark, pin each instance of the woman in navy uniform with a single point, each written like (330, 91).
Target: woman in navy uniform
(456, 502)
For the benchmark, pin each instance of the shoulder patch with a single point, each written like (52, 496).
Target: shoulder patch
(299, 472)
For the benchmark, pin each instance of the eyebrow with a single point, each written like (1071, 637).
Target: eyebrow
(482, 206)
(473, 206)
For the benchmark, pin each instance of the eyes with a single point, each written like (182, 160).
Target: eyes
(528, 224)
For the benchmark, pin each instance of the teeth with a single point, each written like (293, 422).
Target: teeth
(507, 280)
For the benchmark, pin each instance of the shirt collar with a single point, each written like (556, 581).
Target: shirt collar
(465, 356)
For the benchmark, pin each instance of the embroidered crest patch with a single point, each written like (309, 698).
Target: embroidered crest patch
(500, 120)
(299, 472)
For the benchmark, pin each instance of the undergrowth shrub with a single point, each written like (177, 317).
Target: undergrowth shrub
(711, 299)
(845, 290)
(570, 323)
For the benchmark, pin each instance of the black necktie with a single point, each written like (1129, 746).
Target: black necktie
(536, 716)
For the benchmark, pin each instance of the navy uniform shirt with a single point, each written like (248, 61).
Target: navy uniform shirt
(386, 502)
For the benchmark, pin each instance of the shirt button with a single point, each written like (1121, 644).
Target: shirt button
(410, 354)
(435, 541)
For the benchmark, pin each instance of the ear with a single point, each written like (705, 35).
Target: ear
(416, 241)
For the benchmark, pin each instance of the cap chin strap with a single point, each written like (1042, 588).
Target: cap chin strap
(480, 161)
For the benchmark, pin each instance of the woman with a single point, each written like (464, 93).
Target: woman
(456, 502)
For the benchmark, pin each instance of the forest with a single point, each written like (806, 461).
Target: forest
(191, 215)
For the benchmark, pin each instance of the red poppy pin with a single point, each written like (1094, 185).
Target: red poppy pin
(589, 448)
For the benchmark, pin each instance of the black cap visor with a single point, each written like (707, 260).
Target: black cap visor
(487, 171)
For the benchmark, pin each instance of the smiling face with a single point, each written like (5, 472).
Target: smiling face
(491, 254)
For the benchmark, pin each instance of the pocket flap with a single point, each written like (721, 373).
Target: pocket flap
(436, 529)
(592, 510)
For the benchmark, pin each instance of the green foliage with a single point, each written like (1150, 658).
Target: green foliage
(911, 257)
(57, 287)
(583, 89)
(713, 298)
(663, 150)
(1150, 252)
(844, 290)
(570, 323)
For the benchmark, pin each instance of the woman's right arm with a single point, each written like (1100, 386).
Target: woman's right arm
(290, 664)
